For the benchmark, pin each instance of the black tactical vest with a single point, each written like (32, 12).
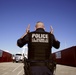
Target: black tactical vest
(39, 47)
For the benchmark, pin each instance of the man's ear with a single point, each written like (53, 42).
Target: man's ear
(44, 28)
(35, 28)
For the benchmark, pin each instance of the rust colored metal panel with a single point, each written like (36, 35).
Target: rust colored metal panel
(66, 56)
(6, 57)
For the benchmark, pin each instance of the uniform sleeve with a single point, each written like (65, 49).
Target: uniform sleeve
(56, 43)
(22, 41)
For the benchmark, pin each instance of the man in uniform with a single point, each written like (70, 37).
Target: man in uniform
(39, 43)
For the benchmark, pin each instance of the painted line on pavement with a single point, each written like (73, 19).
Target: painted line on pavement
(17, 68)
(20, 72)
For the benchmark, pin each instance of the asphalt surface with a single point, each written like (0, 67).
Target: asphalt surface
(17, 69)
(11, 68)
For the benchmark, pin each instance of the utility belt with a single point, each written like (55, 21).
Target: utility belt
(37, 64)
(29, 63)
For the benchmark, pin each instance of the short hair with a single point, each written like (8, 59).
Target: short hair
(39, 22)
(39, 25)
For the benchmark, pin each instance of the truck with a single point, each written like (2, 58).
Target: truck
(18, 57)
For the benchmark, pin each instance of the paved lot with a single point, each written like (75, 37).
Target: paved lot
(65, 70)
(17, 69)
(11, 68)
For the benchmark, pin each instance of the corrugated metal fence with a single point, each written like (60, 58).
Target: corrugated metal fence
(5, 56)
(66, 56)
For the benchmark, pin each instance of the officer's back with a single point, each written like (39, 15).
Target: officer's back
(39, 43)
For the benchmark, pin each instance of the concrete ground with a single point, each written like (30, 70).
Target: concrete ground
(65, 70)
(17, 69)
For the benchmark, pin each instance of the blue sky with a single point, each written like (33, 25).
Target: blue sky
(15, 15)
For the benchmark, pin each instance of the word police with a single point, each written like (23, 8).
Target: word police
(40, 38)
